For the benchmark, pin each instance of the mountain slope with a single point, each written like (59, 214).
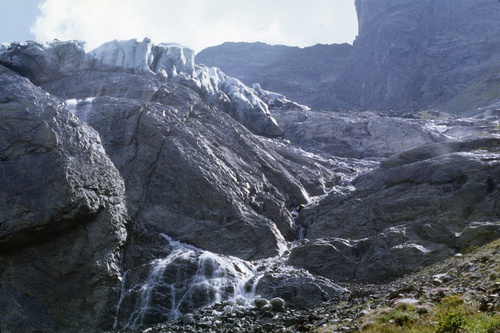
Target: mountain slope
(415, 54)
(304, 75)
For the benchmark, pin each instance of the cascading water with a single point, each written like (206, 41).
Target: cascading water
(80, 108)
(188, 278)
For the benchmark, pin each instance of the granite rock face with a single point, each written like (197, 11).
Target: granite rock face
(63, 216)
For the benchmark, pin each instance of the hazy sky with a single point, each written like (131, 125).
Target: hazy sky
(193, 23)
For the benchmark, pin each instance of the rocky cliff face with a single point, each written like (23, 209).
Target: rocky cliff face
(63, 215)
(426, 204)
(134, 116)
(407, 56)
(411, 55)
(138, 186)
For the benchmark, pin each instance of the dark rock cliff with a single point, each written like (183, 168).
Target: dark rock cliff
(412, 54)
(102, 145)
(137, 186)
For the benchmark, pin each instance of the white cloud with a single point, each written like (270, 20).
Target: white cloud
(198, 23)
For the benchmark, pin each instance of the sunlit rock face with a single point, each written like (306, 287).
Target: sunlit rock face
(46, 62)
(419, 207)
(411, 54)
(99, 160)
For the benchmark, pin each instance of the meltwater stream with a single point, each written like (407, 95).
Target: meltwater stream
(186, 279)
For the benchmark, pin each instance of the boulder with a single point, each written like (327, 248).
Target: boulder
(62, 227)
(297, 291)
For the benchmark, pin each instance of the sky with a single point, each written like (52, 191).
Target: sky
(196, 24)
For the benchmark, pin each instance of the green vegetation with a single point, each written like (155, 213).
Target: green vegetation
(451, 315)
(435, 308)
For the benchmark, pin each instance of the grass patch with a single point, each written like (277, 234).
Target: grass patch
(451, 315)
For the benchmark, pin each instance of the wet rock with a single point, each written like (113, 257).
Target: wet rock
(354, 134)
(417, 208)
(260, 302)
(278, 304)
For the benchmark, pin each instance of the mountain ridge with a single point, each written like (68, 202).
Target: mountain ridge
(408, 57)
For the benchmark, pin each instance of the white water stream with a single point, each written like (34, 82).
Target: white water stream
(187, 278)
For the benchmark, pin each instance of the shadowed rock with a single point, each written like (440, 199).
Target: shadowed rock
(63, 216)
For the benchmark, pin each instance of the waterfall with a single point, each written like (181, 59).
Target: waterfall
(186, 279)
(80, 108)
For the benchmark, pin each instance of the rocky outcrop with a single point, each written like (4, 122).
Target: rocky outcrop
(354, 134)
(186, 174)
(412, 54)
(63, 216)
(420, 206)
(305, 75)
(45, 63)
(139, 134)
(191, 171)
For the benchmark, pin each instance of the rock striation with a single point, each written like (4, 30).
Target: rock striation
(125, 155)
(418, 207)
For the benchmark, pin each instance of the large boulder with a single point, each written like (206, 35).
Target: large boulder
(62, 226)
(420, 206)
